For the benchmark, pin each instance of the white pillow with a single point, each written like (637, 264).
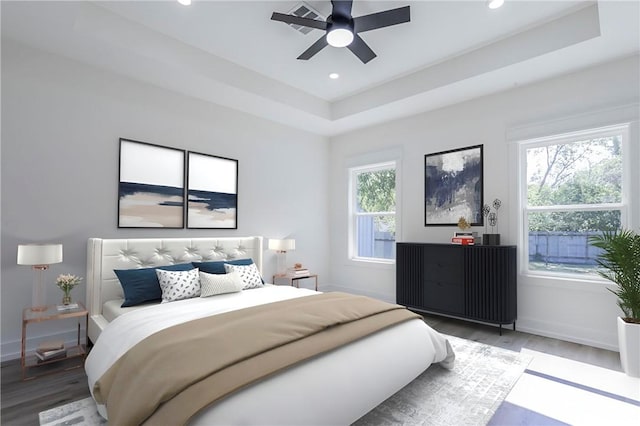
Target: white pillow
(248, 274)
(212, 284)
(178, 285)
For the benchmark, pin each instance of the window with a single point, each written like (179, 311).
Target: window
(572, 188)
(372, 210)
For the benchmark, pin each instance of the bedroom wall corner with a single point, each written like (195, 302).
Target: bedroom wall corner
(59, 173)
(487, 121)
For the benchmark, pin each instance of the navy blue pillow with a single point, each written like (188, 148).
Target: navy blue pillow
(141, 285)
(217, 267)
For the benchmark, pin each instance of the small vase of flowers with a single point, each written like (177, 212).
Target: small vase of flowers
(66, 282)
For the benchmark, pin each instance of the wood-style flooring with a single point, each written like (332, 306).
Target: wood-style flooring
(22, 401)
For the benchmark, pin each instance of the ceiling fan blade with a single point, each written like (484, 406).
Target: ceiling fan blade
(315, 48)
(297, 20)
(341, 8)
(361, 49)
(381, 19)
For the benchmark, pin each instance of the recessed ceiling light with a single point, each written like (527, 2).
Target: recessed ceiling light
(494, 4)
(184, 2)
(334, 75)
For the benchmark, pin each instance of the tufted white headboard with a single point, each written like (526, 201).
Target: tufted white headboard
(105, 255)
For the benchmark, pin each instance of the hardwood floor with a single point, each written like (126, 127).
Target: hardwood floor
(516, 341)
(22, 401)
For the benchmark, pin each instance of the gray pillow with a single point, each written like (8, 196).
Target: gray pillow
(213, 284)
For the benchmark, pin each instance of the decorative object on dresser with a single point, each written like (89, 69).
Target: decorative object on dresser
(151, 186)
(282, 247)
(39, 256)
(468, 282)
(212, 192)
(620, 258)
(492, 239)
(464, 236)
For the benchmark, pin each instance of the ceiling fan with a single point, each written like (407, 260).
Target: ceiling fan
(342, 29)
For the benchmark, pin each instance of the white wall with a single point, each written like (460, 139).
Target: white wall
(61, 121)
(573, 311)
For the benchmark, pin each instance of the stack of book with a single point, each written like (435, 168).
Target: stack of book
(48, 351)
(298, 272)
(464, 238)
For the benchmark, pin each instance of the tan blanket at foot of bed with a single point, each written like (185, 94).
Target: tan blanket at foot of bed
(171, 375)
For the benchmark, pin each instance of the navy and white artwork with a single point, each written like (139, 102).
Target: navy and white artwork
(151, 187)
(212, 192)
(453, 187)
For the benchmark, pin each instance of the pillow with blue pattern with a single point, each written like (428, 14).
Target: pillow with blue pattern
(249, 275)
(179, 285)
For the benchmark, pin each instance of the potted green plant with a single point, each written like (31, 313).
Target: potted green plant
(620, 260)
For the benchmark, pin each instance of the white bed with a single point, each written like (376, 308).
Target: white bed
(335, 388)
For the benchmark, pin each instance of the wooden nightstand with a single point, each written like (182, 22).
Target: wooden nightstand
(295, 279)
(52, 314)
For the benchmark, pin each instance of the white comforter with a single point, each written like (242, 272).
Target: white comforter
(336, 388)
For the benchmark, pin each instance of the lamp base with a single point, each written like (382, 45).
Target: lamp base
(282, 262)
(39, 292)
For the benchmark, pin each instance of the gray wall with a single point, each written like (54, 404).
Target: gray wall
(61, 122)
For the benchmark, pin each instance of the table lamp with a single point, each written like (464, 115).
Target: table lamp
(39, 257)
(281, 247)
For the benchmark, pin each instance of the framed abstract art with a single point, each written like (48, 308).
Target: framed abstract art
(151, 186)
(453, 187)
(212, 192)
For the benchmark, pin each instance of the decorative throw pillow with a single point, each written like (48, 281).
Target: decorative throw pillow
(178, 285)
(217, 266)
(141, 285)
(248, 274)
(213, 284)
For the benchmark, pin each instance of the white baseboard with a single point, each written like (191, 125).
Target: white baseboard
(527, 325)
(583, 336)
(11, 350)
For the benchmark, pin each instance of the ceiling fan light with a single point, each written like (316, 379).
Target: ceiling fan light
(494, 4)
(339, 37)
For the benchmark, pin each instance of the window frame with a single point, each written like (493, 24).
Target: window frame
(354, 214)
(623, 206)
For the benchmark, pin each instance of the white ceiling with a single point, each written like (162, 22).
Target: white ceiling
(231, 53)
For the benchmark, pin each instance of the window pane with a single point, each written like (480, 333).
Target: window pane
(559, 241)
(578, 221)
(376, 237)
(376, 191)
(581, 172)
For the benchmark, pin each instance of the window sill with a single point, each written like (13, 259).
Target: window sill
(574, 283)
(372, 263)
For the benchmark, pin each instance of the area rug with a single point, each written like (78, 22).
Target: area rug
(467, 395)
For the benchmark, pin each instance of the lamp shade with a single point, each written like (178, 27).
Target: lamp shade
(282, 245)
(39, 254)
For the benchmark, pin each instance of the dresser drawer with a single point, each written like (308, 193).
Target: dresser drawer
(444, 296)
